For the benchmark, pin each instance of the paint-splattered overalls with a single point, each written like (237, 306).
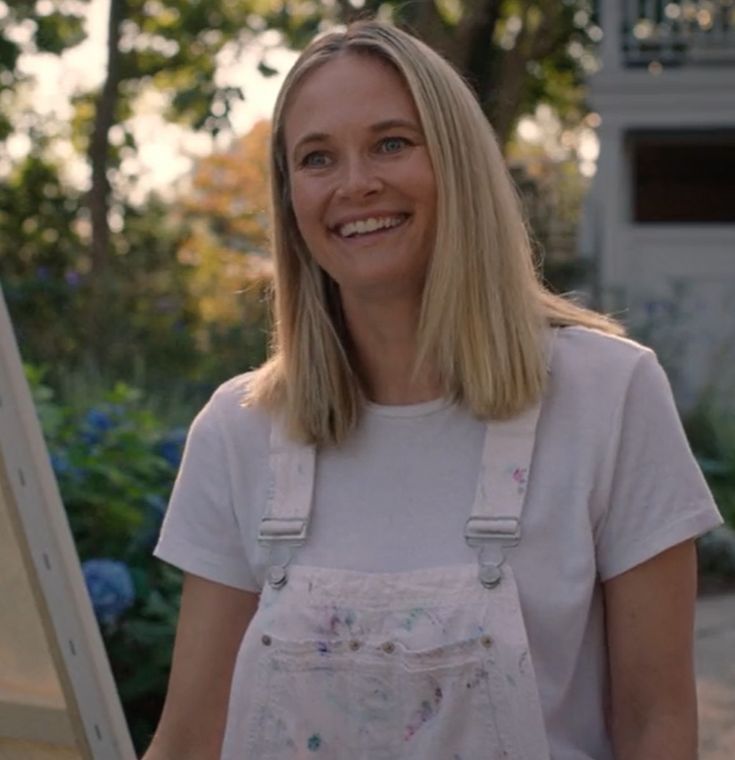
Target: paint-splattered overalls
(431, 664)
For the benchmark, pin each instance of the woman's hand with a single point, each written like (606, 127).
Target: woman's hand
(212, 621)
(650, 630)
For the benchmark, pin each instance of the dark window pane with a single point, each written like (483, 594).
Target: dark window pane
(682, 177)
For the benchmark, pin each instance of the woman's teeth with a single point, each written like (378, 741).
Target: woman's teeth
(364, 226)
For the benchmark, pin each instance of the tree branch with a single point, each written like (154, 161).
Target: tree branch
(428, 24)
(98, 200)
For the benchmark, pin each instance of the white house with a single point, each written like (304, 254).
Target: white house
(660, 218)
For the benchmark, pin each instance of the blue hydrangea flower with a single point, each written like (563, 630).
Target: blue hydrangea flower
(110, 588)
(96, 423)
(171, 446)
(60, 464)
(63, 468)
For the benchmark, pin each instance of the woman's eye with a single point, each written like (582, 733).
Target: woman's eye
(315, 159)
(393, 144)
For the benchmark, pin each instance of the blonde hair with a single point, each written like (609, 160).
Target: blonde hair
(484, 308)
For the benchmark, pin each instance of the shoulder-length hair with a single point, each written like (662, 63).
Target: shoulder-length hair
(484, 309)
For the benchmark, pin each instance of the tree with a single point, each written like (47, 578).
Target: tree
(28, 26)
(514, 53)
(226, 211)
(226, 249)
(45, 276)
(39, 240)
(171, 46)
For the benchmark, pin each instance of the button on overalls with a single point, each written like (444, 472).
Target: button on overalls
(431, 664)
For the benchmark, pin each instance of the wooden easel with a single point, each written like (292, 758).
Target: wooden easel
(57, 695)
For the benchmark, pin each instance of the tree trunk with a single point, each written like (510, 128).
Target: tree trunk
(469, 46)
(475, 53)
(498, 76)
(537, 39)
(504, 105)
(99, 196)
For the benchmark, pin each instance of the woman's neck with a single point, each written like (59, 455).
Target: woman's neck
(384, 344)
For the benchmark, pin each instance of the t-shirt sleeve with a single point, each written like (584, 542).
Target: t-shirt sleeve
(658, 496)
(200, 532)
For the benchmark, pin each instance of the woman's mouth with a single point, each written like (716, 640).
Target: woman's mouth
(369, 226)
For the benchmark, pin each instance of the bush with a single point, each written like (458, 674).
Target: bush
(711, 433)
(115, 463)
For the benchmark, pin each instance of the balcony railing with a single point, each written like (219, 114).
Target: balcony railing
(678, 32)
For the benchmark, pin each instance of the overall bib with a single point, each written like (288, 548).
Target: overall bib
(430, 664)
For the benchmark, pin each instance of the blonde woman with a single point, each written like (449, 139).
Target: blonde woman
(453, 515)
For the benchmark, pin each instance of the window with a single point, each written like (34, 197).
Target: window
(683, 177)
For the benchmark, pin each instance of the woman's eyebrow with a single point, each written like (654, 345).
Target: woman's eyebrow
(310, 138)
(381, 126)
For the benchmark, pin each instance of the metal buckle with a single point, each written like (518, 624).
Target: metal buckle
(281, 535)
(289, 530)
(277, 576)
(503, 529)
(489, 575)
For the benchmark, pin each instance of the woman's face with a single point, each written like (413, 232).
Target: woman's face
(362, 185)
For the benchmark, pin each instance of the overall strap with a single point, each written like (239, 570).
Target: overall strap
(501, 485)
(495, 521)
(285, 521)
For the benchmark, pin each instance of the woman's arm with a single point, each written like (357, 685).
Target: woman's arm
(650, 630)
(212, 621)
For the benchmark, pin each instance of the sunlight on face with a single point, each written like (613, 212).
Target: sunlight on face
(362, 184)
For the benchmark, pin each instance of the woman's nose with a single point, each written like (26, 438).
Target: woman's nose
(358, 178)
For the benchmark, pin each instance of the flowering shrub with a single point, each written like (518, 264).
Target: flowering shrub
(115, 463)
(110, 587)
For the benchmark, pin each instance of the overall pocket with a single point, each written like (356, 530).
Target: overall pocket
(339, 700)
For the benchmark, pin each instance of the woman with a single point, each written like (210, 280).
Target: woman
(468, 504)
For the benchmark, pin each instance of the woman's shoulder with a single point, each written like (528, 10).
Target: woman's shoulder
(229, 409)
(591, 348)
(233, 390)
(604, 365)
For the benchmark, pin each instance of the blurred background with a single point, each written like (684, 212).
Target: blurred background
(134, 240)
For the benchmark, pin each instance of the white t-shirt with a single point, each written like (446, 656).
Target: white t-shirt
(612, 483)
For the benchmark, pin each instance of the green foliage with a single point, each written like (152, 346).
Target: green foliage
(149, 330)
(711, 433)
(49, 33)
(557, 76)
(176, 46)
(541, 47)
(115, 463)
(9, 52)
(39, 246)
(148, 327)
(58, 31)
(173, 47)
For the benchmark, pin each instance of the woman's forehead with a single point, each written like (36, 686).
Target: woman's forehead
(347, 91)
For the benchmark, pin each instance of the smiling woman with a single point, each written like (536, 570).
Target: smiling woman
(453, 515)
(362, 184)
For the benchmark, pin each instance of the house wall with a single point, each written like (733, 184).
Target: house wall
(674, 284)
